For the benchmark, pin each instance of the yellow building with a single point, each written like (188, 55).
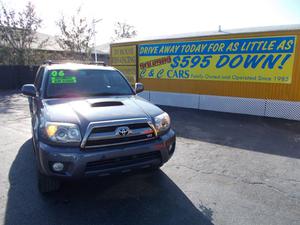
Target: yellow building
(251, 71)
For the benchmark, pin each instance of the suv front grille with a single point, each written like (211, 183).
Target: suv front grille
(118, 141)
(113, 128)
(109, 134)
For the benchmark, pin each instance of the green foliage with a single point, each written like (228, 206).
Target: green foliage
(76, 34)
(18, 33)
(123, 30)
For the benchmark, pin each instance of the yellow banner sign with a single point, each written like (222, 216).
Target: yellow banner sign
(129, 72)
(123, 55)
(261, 59)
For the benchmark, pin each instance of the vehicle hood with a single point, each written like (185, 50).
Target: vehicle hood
(83, 111)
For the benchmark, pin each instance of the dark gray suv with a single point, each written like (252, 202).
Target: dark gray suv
(88, 121)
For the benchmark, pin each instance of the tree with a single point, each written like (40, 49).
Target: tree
(76, 35)
(123, 30)
(18, 33)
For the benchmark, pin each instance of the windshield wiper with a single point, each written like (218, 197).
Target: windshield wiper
(64, 96)
(86, 95)
(107, 94)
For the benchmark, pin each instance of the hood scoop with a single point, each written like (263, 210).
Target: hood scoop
(106, 104)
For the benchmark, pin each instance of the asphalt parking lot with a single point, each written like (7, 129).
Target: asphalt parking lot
(227, 169)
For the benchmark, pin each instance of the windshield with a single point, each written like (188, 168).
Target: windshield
(76, 83)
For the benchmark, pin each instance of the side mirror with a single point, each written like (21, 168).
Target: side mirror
(139, 87)
(29, 90)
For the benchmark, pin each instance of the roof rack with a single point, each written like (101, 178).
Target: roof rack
(51, 62)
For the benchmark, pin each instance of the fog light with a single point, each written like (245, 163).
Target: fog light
(58, 167)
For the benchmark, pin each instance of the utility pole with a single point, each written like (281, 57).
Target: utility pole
(220, 29)
(94, 33)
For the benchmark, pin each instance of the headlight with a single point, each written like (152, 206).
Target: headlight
(62, 132)
(162, 122)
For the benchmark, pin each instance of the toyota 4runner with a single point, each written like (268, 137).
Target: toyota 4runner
(88, 121)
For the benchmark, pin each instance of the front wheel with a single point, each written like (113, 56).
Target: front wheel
(47, 184)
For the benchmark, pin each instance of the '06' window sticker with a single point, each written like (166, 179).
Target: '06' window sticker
(58, 77)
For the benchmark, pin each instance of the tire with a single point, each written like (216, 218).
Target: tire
(47, 184)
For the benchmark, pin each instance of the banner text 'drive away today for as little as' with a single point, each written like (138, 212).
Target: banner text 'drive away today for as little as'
(260, 59)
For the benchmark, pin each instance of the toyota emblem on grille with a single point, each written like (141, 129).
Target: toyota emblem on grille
(122, 131)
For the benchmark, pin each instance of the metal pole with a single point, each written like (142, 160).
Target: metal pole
(94, 33)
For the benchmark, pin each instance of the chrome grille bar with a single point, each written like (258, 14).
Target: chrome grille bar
(135, 133)
(112, 135)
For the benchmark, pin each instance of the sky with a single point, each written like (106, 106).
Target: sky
(166, 17)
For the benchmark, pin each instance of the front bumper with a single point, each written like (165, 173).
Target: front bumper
(79, 163)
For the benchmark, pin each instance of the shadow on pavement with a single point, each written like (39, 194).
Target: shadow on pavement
(139, 198)
(261, 134)
(11, 101)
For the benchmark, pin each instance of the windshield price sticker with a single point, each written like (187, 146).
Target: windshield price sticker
(58, 77)
(56, 73)
(63, 80)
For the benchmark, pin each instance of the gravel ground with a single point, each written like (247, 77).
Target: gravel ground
(227, 169)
